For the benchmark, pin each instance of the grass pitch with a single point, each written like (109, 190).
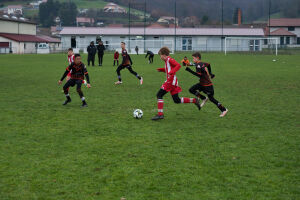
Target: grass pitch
(48, 151)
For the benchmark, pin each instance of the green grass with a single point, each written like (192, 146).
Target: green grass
(48, 151)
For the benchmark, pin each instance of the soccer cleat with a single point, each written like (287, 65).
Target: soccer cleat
(197, 103)
(157, 117)
(204, 102)
(212, 76)
(66, 102)
(118, 82)
(141, 81)
(84, 105)
(224, 113)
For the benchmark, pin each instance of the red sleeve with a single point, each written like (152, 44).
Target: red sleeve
(161, 69)
(174, 65)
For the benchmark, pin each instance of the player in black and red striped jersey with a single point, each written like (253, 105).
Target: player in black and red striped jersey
(126, 63)
(78, 71)
(205, 85)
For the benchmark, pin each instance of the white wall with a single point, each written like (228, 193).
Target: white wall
(17, 27)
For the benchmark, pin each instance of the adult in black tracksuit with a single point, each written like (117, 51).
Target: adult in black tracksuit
(151, 56)
(92, 50)
(100, 49)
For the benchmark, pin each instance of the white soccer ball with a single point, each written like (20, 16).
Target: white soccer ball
(138, 113)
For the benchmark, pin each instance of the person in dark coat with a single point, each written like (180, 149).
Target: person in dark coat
(91, 49)
(151, 56)
(137, 50)
(100, 49)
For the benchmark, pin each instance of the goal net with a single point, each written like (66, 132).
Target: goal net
(252, 45)
(143, 46)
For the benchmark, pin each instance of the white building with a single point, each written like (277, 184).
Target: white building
(187, 39)
(14, 9)
(287, 30)
(114, 8)
(19, 36)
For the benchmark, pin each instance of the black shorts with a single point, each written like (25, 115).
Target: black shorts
(72, 83)
(121, 67)
(209, 90)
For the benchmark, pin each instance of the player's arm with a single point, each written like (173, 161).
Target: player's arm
(209, 71)
(130, 60)
(86, 74)
(65, 74)
(175, 66)
(161, 69)
(192, 72)
(146, 55)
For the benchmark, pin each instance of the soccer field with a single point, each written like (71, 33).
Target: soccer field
(50, 151)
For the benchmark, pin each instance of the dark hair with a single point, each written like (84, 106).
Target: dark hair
(123, 43)
(185, 57)
(70, 49)
(76, 55)
(164, 51)
(197, 55)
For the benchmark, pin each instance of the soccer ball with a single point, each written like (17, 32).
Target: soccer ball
(138, 113)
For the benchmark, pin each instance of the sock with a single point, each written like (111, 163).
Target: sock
(221, 107)
(188, 100)
(138, 76)
(119, 77)
(160, 106)
(83, 100)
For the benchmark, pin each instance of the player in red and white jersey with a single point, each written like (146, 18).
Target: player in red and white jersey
(171, 84)
(70, 60)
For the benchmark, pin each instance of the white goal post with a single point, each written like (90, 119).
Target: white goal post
(143, 46)
(250, 44)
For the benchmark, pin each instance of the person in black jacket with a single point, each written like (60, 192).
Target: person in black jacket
(100, 49)
(91, 49)
(151, 56)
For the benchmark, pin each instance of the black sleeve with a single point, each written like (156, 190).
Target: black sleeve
(130, 60)
(192, 72)
(146, 55)
(209, 69)
(64, 75)
(86, 74)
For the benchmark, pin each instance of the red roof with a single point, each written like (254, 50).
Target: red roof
(282, 32)
(285, 22)
(49, 39)
(22, 37)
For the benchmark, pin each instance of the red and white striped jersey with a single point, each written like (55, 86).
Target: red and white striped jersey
(171, 67)
(70, 59)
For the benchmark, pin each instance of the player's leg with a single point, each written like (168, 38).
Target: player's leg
(118, 62)
(120, 67)
(179, 100)
(195, 90)
(160, 104)
(99, 59)
(80, 93)
(209, 90)
(66, 87)
(152, 59)
(89, 60)
(134, 73)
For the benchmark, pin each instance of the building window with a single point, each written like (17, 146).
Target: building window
(156, 37)
(287, 40)
(24, 45)
(73, 42)
(82, 36)
(298, 40)
(291, 28)
(122, 37)
(281, 40)
(186, 43)
(254, 45)
(265, 41)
